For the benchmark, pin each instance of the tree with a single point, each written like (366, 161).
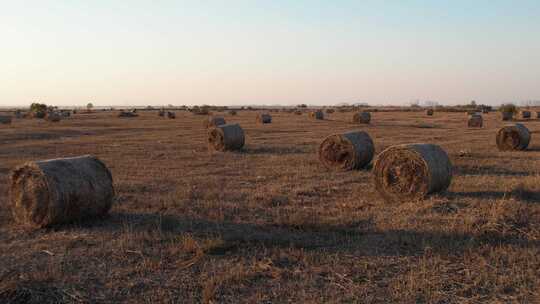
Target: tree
(89, 106)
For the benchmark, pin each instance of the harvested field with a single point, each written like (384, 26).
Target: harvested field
(270, 224)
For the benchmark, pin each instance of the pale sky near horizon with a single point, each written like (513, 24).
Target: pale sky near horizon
(268, 52)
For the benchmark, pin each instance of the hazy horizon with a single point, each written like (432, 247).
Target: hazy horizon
(69, 53)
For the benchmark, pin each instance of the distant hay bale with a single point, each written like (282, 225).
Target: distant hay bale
(53, 117)
(226, 137)
(5, 119)
(525, 114)
(56, 191)
(232, 112)
(411, 172)
(347, 151)
(507, 116)
(537, 115)
(429, 112)
(171, 115)
(264, 118)
(513, 137)
(161, 113)
(330, 111)
(317, 114)
(213, 121)
(19, 114)
(124, 114)
(362, 117)
(475, 121)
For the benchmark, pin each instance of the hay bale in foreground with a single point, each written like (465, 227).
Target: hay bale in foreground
(429, 112)
(475, 121)
(213, 121)
(507, 116)
(347, 151)
(525, 114)
(317, 114)
(362, 117)
(264, 118)
(411, 172)
(513, 137)
(226, 137)
(56, 191)
(171, 115)
(5, 119)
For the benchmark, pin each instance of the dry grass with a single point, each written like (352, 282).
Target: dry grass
(270, 223)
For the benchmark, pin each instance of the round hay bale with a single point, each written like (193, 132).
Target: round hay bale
(362, 117)
(161, 113)
(171, 115)
(507, 116)
(213, 121)
(226, 137)
(411, 172)
(5, 119)
(317, 114)
(264, 118)
(513, 137)
(124, 114)
(429, 112)
(475, 121)
(56, 191)
(347, 151)
(525, 114)
(537, 115)
(232, 112)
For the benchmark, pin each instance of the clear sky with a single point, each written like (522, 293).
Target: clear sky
(268, 52)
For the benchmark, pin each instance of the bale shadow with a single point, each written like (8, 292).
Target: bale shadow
(519, 194)
(275, 150)
(488, 170)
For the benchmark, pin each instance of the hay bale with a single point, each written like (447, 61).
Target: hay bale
(264, 118)
(232, 112)
(330, 111)
(124, 114)
(525, 114)
(411, 172)
(317, 114)
(5, 119)
(226, 137)
(161, 113)
(39, 114)
(347, 151)
(171, 115)
(56, 191)
(537, 115)
(429, 112)
(19, 114)
(213, 121)
(362, 117)
(507, 116)
(475, 121)
(298, 112)
(53, 117)
(513, 137)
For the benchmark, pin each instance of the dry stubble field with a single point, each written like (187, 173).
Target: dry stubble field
(270, 224)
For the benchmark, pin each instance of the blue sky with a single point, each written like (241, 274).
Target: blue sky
(268, 52)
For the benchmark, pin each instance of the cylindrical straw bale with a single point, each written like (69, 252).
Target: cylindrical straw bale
(317, 114)
(227, 137)
(213, 121)
(56, 191)
(362, 117)
(347, 151)
(513, 137)
(475, 121)
(411, 172)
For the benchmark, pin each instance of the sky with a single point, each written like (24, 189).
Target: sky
(237, 52)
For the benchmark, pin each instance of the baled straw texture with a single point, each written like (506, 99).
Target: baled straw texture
(5, 119)
(411, 172)
(56, 191)
(475, 121)
(348, 151)
(264, 118)
(226, 137)
(362, 117)
(213, 121)
(513, 137)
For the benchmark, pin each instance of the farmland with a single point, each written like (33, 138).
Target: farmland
(270, 224)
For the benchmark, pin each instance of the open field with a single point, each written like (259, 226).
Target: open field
(270, 224)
